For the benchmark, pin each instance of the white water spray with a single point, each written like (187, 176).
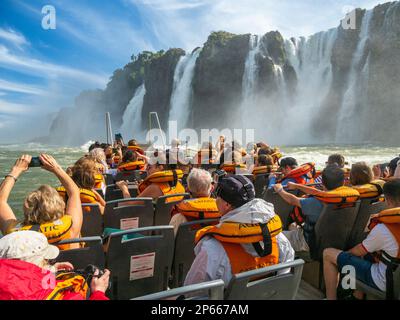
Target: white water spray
(347, 113)
(132, 118)
(182, 91)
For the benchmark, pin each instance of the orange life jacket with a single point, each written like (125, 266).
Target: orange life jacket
(199, 208)
(339, 195)
(370, 190)
(131, 166)
(54, 231)
(99, 181)
(231, 168)
(263, 170)
(86, 195)
(137, 149)
(232, 235)
(303, 174)
(167, 181)
(67, 282)
(391, 219)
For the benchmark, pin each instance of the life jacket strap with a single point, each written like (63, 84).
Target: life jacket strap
(391, 266)
(267, 241)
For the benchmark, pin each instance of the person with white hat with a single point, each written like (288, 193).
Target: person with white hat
(26, 274)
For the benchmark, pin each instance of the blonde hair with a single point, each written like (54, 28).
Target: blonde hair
(43, 205)
(84, 171)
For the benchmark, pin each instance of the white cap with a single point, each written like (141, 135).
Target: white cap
(30, 246)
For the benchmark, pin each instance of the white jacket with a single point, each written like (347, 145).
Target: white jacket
(211, 260)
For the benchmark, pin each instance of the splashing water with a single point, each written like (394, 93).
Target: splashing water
(132, 118)
(182, 91)
(355, 86)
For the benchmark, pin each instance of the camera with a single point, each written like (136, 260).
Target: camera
(90, 270)
(218, 174)
(35, 162)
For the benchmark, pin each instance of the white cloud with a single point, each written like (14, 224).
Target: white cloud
(20, 88)
(13, 108)
(14, 37)
(43, 69)
(190, 28)
(173, 5)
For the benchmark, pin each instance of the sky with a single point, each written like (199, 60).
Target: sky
(43, 70)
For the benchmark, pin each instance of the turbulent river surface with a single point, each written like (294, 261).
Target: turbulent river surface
(35, 177)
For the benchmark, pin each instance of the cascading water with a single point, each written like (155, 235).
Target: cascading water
(356, 86)
(250, 72)
(249, 80)
(132, 118)
(182, 89)
(311, 60)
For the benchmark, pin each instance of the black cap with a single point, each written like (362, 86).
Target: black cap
(237, 190)
(288, 161)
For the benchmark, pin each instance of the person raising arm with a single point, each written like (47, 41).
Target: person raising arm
(42, 205)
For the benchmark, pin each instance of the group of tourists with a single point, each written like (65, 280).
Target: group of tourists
(220, 180)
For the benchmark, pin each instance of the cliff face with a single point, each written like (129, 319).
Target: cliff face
(159, 75)
(341, 60)
(335, 86)
(381, 115)
(217, 83)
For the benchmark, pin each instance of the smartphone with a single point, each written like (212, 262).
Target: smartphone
(35, 162)
(118, 137)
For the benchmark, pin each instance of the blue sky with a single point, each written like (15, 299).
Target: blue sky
(42, 71)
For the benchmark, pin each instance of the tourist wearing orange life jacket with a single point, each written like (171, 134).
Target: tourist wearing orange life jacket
(362, 180)
(201, 205)
(43, 208)
(162, 179)
(308, 210)
(84, 174)
(237, 244)
(382, 241)
(130, 162)
(292, 172)
(25, 273)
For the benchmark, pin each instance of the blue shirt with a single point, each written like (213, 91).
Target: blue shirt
(284, 182)
(312, 209)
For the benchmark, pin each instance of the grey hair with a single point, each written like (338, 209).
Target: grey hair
(98, 154)
(199, 182)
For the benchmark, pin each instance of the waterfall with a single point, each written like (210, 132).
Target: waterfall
(250, 72)
(355, 88)
(311, 60)
(132, 124)
(249, 83)
(182, 89)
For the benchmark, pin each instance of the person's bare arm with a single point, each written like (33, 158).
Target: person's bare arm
(303, 188)
(7, 216)
(288, 197)
(152, 191)
(123, 186)
(358, 251)
(74, 206)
